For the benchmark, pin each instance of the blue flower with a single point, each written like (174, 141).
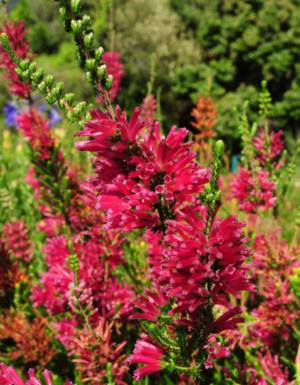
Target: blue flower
(52, 114)
(11, 113)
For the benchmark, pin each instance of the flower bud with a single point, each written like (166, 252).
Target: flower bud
(99, 52)
(49, 80)
(75, 4)
(101, 71)
(69, 98)
(89, 40)
(24, 64)
(219, 148)
(90, 64)
(108, 82)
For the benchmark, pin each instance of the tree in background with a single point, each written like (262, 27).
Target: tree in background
(242, 43)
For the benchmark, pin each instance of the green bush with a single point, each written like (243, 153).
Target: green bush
(242, 43)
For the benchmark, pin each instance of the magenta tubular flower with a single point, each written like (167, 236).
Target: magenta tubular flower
(9, 376)
(16, 35)
(150, 305)
(253, 192)
(141, 182)
(148, 110)
(16, 240)
(269, 148)
(36, 131)
(147, 353)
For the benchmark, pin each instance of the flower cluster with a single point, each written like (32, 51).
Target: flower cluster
(148, 110)
(9, 376)
(254, 191)
(17, 36)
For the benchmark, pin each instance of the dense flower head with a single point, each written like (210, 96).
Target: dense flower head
(275, 315)
(141, 182)
(114, 67)
(36, 131)
(148, 110)
(254, 191)
(205, 116)
(16, 240)
(269, 147)
(17, 37)
(148, 353)
(96, 355)
(187, 260)
(31, 340)
(9, 376)
(97, 256)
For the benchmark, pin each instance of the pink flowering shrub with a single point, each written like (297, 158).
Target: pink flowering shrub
(139, 272)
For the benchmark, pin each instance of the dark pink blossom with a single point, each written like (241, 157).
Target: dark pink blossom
(149, 354)
(254, 191)
(9, 376)
(269, 147)
(148, 110)
(17, 38)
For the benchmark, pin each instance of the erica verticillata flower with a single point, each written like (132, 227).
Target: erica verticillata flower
(16, 240)
(17, 38)
(254, 191)
(9, 376)
(269, 147)
(147, 353)
(148, 110)
(36, 131)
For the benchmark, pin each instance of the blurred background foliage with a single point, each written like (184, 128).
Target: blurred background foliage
(218, 48)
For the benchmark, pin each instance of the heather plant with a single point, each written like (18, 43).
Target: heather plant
(141, 275)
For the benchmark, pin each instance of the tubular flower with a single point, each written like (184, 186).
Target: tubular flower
(148, 110)
(149, 354)
(141, 183)
(16, 35)
(16, 240)
(9, 376)
(31, 342)
(269, 147)
(36, 131)
(95, 354)
(188, 261)
(253, 192)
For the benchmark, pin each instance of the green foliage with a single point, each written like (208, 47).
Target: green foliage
(242, 43)
(146, 31)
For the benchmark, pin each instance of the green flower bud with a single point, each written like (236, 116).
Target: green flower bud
(99, 52)
(37, 76)
(108, 82)
(42, 87)
(75, 4)
(32, 67)
(89, 40)
(62, 11)
(86, 19)
(69, 98)
(49, 80)
(219, 148)
(76, 26)
(26, 75)
(101, 71)
(90, 64)
(24, 64)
